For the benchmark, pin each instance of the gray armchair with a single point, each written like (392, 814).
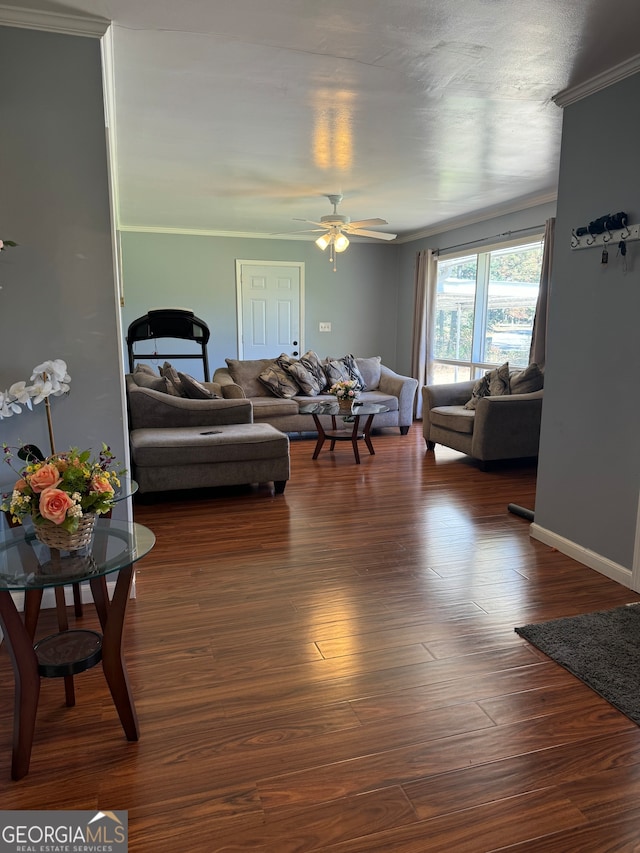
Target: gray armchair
(506, 427)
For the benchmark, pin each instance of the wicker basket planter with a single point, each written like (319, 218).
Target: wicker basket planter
(54, 536)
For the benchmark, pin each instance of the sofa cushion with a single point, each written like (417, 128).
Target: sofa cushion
(278, 381)
(145, 368)
(455, 418)
(245, 373)
(314, 365)
(149, 379)
(193, 389)
(206, 445)
(527, 380)
(370, 371)
(273, 407)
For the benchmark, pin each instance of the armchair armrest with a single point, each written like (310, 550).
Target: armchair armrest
(451, 394)
(507, 427)
(402, 387)
(155, 409)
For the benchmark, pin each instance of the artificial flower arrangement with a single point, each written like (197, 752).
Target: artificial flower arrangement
(48, 379)
(346, 389)
(63, 488)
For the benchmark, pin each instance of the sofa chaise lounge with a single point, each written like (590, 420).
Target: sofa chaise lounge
(184, 443)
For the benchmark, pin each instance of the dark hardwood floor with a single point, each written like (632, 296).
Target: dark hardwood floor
(335, 669)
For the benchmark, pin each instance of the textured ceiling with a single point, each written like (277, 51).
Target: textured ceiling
(239, 115)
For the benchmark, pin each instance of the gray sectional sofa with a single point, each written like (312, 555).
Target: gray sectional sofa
(186, 443)
(240, 380)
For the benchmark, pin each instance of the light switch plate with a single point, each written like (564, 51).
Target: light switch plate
(325, 327)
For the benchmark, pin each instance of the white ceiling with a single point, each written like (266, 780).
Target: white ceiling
(239, 115)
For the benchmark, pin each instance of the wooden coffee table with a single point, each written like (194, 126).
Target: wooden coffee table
(354, 435)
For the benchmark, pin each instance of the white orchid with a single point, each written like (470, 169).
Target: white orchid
(49, 379)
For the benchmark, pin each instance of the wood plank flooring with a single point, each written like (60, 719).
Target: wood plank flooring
(335, 669)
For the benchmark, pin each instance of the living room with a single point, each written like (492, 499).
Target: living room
(57, 287)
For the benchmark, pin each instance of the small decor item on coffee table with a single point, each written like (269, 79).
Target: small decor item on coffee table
(63, 495)
(345, 391)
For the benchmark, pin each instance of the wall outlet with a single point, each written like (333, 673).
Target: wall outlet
(325, 327)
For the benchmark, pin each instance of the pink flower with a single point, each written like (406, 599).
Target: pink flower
(100, 483)
(54, 504)
(44, 478)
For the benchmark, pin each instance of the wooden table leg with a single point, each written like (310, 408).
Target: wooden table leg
(367, 435)
(111, 615)
(354, 438)
(321, 437)
(27, 683)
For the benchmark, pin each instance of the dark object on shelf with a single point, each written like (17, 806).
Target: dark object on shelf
(169, 323)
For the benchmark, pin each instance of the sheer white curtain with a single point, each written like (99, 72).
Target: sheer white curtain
(538, 350)
(426, 277)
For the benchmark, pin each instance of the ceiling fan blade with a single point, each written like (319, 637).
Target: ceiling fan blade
(379, 235)
(365, 223)
(310, 221)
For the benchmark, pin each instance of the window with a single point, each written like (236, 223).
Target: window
(485, 305)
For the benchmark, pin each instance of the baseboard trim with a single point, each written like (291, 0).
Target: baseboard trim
(583, 555)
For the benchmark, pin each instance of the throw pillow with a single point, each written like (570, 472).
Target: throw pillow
(174, 386)
(278, 381)
(494, 383)
(308, 383)
(353, 371)
(370, 370)
(527, 380)
(480, 389)
(193, 389)
(499, 384)
(155, 383)
(336, 371)
(314, 365)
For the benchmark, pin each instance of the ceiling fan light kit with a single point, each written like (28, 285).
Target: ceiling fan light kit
(336, 227)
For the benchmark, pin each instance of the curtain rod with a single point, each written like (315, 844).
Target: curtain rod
(484, 239)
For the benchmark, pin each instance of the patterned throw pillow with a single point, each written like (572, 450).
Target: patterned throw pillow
(336, 371)
(354, 372)
(308, 383)
(314, 365)
(495, 383)
(278, 381)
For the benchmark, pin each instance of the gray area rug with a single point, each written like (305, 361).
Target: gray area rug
(602, 649)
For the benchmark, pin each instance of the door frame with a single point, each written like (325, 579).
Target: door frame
(299, 265)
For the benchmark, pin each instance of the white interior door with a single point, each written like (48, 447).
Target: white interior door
(270, 300)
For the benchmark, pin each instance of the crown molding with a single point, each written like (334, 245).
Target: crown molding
(54, 22)
(480, 216)
(601, 81)
(195, 232)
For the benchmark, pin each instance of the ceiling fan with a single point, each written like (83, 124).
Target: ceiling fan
(336, 227)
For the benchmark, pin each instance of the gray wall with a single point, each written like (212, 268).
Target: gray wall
(58, 296)
(589, 469)
(198, 272)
